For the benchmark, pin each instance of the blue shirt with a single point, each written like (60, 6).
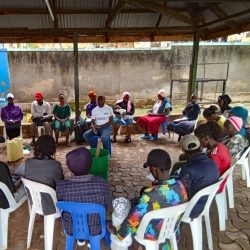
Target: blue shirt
(198, 173)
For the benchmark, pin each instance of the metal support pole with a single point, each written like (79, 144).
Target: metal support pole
(193, 67)
(76, 78)
(171, 89)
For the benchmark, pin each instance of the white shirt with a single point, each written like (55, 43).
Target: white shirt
(38, 110)
(101, 115)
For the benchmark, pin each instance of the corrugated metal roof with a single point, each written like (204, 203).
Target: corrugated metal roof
(130, 20)
(124, 18)
(26, 21)
(22, 4)
(82, 21)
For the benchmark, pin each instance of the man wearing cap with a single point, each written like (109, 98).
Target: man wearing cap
(198, 172)
(83, 187)
(12, 116)
(41, 116)
(166, 192)
(101, 121)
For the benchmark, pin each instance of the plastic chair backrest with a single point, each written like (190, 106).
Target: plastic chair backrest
(79, 213)
(170, 215)
(9, 196)
(245, 154)
(35, 189)
(210, 191)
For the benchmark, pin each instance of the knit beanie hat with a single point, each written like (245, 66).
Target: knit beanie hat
(237, 122)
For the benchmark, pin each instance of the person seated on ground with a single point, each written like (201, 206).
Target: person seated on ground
(223, 102)
(166, 192)
(156, 116)
(243, 114)
(198, 172)
(185, 125)
(124, 110)
(91, 105)
(101, 121)
(212, 114)
(209, 135)
(12, 115)
(43, 168)
(235, 142)
(62, 122)
(83, 187)
(13, 182)
(41, 116)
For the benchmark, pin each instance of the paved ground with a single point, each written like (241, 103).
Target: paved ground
(127, 176)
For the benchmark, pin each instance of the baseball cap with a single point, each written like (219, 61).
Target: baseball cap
(237, 122)
(38, 96)
(158, 158)
(10, 95)
(190, 143)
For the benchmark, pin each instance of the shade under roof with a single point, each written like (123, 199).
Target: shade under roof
(120, 20)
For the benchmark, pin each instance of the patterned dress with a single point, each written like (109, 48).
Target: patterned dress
(166, 194)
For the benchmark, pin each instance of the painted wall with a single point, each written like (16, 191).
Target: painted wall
(142, 72)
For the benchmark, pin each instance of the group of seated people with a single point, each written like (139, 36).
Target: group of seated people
(12, 115)
(100, 118)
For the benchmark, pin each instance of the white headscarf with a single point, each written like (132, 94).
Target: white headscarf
(162, 92)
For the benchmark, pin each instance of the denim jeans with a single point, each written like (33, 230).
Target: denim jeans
(90, 137)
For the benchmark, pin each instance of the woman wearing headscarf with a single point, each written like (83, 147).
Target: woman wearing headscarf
(92, 104)
(243, 114)
(223, 103)
(124, 110)
(186, 124)
(156, 116)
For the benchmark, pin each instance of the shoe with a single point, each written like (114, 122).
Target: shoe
(32, 144)
(145, 137)
(113, 140)
(152, 138)
(128, 140)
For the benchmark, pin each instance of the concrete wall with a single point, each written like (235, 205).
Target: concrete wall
(112, 72)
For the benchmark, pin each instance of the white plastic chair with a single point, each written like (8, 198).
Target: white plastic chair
(221, 198)
(196, 223)
(170, 216)
(4, 214)
(35, 190)
(243, 162)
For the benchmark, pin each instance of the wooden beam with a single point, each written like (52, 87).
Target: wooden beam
(222, 15)
(76, 78)
(160, 16)
(159, 8)
(193, 66)
(227, 18)
(114, 12)
(96, 31)
(196, 14)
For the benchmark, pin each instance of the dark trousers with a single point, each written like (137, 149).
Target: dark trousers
(12, 132)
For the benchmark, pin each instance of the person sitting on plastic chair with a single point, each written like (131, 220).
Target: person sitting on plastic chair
(12, 181)
(186, 124)
(41, 116)
(82, 187)
(165, 192)
(101, 121)
(12, 115)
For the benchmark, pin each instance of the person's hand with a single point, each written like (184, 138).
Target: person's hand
(62, 122)
(111, 228)
(124, 113)
(94, 130)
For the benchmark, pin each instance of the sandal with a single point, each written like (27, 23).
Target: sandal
(128, 140)
(113, 140)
